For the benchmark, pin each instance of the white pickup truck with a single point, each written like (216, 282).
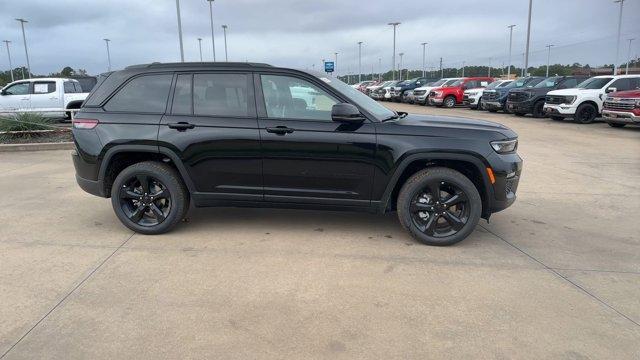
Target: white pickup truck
(49, 96)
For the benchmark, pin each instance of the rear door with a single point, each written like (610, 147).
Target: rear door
(45, 96)
(213, 128)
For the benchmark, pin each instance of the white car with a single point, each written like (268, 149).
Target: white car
(387, 90)
(377, 91)
(472, 97)
(420, 94)
(49, 96)
(584, 102)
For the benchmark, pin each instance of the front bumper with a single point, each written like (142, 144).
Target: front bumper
(559, 110)
(507, 170)
(470, 100)
(435, 101)
(492, 105)
(620, 117)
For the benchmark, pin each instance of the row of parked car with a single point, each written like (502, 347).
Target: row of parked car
(583, 98)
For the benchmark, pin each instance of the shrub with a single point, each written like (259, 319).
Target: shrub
(24, 122)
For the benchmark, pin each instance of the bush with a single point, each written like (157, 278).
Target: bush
(24, 122)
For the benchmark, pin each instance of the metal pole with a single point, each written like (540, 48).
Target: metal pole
(335, 64)
(510, 47)
(213, 40)
(441, 70)
(615, 64)
(24, 39)
(379, 69)
(359, 60)
(523, 73)
(489, 75)
(548, 57)
(463, 65)
(424, 64)
(9, 54)
(106, 41)
(224, 30)
(200, 47)
(400, 70)
(180, 30)
(393, 61)
(626, 72)
(526, 57)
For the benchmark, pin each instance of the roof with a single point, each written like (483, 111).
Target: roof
(157, 65)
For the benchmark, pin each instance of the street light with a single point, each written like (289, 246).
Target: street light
(106, 41)
(548, 57)
(180, 30)
(424, 64)
(615, 64)
(626, 72)
(400, 65)
(489, 75)
(510, 47)
(200, 48)
(9, 54)
(335, 64)
(224, 30)
(24, 39)
(395, 25)
(463, 65)
(379, 69)
(213, 40)
(526, 56)
(359, 60)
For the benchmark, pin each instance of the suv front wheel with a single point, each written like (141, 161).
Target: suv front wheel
(149, 197)
(439, 206)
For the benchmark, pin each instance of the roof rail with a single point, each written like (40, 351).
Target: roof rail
(198, 64)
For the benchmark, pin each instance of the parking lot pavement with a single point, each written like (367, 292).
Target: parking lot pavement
(557, 275)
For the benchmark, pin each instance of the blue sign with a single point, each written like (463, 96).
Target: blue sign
(329, 66)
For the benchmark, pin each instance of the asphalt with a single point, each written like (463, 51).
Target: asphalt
(555, 276)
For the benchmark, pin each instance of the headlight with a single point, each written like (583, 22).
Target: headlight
(569, 99)
(438, 93)
(504, 146)
(472, 93)
(638, 103)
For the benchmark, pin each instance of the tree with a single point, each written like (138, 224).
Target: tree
(67, 71)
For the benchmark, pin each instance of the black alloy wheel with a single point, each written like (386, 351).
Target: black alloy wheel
(585, 114)
(145, 200)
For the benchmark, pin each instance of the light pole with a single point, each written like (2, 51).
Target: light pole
(106, 41)
(335, 63)
(9, 54)
(359, 60)
(489, 75)
(379, 69)
(510, 47)
(526, 56)
(548, 57)
(395, 25)
(180, 31)
(400, 70)
(463, 65)
(213, 40)
(224, 30)
(200, 48)
(523, 73)
(615, 64)
(626, 72)
(424, 53)
(24, 40)
(441, 69)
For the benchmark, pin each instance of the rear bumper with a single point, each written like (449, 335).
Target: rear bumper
(94, 187)
(620, 117)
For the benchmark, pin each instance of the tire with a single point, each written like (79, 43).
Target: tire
(537, 111)
(558, 118)
(449, 102)
(449, 181)
(519, 114)
(585, 114)
(480, 104)
(616, 125)
(171, 197)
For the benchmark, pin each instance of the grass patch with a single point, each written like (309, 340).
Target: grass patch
(25, 122)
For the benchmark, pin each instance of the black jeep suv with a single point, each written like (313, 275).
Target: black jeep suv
(158, 137)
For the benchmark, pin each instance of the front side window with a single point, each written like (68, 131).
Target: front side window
(18, 89)
(220, 95)
(144, 94)
(621, 84)
(293, 98)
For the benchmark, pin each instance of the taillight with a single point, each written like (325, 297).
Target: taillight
(85, 123)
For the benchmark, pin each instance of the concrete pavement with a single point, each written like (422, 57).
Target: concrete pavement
(557, 275)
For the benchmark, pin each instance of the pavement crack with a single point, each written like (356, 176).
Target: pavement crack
(67, 295)
(557, 273)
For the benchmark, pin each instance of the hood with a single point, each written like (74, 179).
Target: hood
(535, 91)
(626, 94)
(449, 126)
(575, 91)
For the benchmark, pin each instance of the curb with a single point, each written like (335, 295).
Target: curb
(36, 147)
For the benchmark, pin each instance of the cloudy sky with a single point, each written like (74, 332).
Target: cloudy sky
(299, 33)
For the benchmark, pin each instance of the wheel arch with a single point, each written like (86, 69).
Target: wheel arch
(591, 102)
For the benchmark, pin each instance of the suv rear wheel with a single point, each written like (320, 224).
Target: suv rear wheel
(585, 114)
(149, 197)
(439, 206)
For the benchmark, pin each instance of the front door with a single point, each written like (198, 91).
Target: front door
(307, 157)
(212, 125)
(16, 97)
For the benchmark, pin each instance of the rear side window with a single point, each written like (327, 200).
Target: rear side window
(144, 94)
(69, 87)
(220, 95)
(44, 87)
(182, 96)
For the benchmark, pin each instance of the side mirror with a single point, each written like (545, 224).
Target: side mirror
(346, 113)
(3, 92)
(610, 90)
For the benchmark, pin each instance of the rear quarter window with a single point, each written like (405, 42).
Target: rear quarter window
(143, 94)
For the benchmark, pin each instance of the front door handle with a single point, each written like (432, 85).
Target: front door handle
(181, 126)
(280, 130)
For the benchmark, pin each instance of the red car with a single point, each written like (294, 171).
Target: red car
(622, 108)
(451, 95)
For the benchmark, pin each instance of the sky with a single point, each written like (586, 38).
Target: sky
(301, 33)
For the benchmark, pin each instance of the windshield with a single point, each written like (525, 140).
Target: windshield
(594, 83)
(455, 83)
(548, 82)
(377, 110)
(505, 84)
(494, 84)
(438, 83)
(449, 82)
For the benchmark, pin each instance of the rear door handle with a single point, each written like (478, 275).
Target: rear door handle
(181, 126)
(280, 130)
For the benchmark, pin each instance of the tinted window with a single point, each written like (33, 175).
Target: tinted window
(18, 89)
(289, 97)
(548, 82)
(504, 84)
(220, 94)
(146, 94)
(69, 87)
(594, 83)
(621, 85)
(182, 96)
(44, 87)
